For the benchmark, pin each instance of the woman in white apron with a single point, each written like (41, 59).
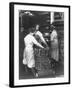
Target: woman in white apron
(54, 44)
(28, 56)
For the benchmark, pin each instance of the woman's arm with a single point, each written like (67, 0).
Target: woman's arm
(41, 37)
(37, 43)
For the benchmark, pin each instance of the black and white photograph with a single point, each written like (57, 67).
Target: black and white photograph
(41, 44)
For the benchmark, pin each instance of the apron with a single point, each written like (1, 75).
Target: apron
(29, 57)
(55, 50)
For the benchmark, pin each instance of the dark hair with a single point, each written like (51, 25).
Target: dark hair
(31, 29)
(52, 27)
(36, 25)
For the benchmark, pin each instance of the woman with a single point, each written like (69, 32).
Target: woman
(38, 33)
(54, 44)
(39, 36)
(28, 56)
